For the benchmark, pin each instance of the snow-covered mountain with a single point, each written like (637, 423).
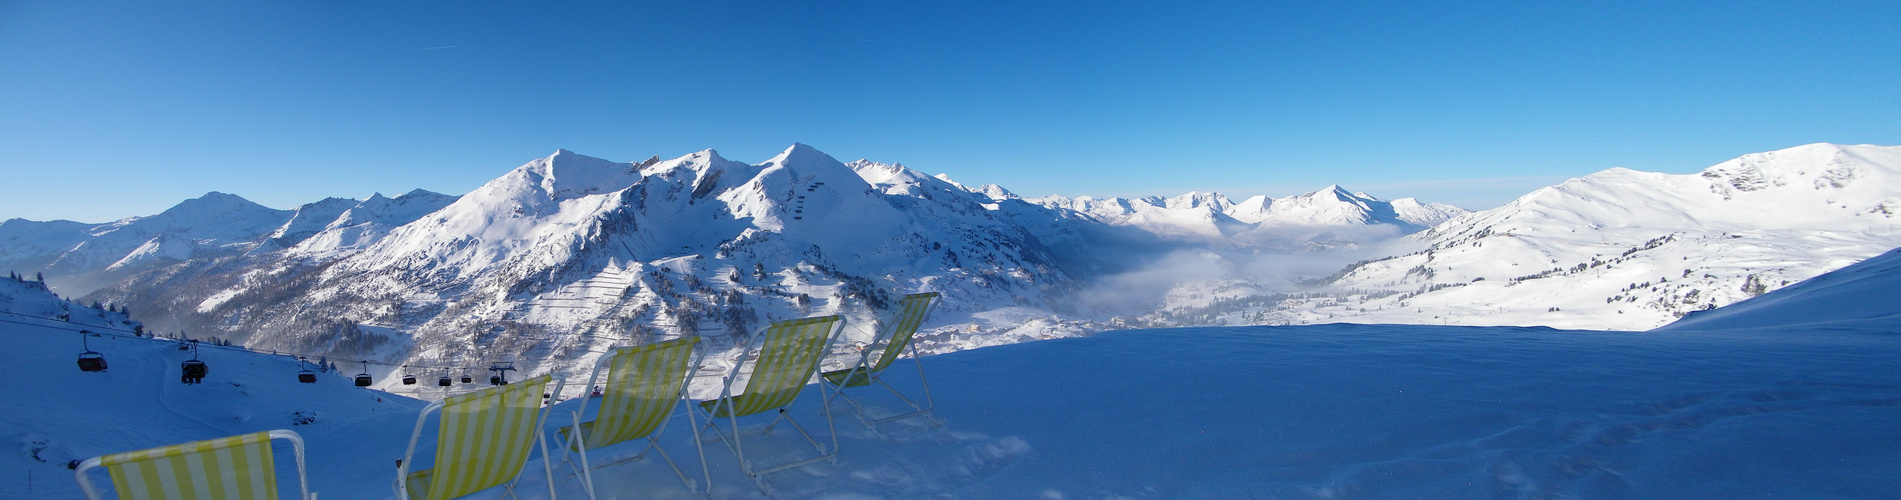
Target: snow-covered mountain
(1331, 217)
(367, 221)
(1622, 249)
(78, 258)
(569, 254)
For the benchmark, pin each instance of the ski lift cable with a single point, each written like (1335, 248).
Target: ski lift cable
(196, 344)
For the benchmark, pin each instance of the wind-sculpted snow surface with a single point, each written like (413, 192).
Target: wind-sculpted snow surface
(1620, 249)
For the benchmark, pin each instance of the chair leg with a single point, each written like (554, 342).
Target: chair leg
(654, 444)
(832, 427)
(547, 465)
(705, 472)
(915, 409)
(579, 442)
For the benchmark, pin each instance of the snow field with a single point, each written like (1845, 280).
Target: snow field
(1326, 411)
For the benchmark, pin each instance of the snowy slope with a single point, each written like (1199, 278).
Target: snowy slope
(1863, 295)
(62, 414)
(1622, 249)
(28, 300)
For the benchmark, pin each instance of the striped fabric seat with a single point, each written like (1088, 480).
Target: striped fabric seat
(911, 312)
(643, 386)
(483, 441)
(788, 358)
(236, 467)
(786, 362)
(905, 322)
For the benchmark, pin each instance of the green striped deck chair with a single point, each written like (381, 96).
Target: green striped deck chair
(236, 467)
(483, 441)
(644, 384)
(788, 358)
(886, 348)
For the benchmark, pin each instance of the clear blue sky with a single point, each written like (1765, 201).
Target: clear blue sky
(116, 109)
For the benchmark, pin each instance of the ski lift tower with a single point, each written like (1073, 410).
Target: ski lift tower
(501, 369)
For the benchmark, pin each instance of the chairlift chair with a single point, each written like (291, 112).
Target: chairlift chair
(445, 381)
(363, 379)
(90, 361)
(408, 378)
(304, 375)
(193, 371)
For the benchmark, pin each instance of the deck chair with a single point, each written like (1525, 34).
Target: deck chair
(904, 323)
(644, 384)
(236, 467)
(788, 358)
(483, 441)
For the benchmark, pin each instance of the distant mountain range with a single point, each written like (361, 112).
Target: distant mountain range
(1211, 217)
(568, 254)
(1618, 249)
(80, 258)
(571, 254)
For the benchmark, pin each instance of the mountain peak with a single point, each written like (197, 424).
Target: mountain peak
(996, 192)
(800, 153)
(418, 192)
(1196, 199)
(216, 201)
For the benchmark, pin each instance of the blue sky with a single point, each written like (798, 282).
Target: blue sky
(116, 109)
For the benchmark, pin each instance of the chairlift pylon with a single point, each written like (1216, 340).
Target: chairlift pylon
(363, 379)
(501, 369)
(90, 361)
